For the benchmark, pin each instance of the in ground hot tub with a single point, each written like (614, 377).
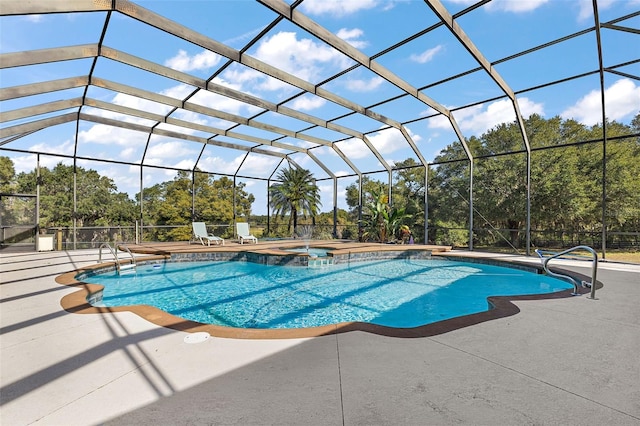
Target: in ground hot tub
(311, 251)
(318, 256)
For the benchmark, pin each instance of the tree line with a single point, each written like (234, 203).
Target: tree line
(100, 204)
(566, 192)
(566, 185)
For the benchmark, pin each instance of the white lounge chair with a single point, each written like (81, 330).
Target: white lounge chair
(242, 228)
(200, 232)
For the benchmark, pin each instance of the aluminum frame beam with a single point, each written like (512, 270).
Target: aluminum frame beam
(298, 18)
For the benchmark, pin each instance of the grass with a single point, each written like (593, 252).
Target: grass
(623, 256)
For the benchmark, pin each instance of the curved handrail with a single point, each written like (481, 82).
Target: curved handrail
(594, 268)
(123, 247)
(114, 253)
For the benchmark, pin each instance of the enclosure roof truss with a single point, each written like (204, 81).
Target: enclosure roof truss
(289, 140)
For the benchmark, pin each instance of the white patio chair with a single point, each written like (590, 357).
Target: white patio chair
(200, 232)
(242, 228)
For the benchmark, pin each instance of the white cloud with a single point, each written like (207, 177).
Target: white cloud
(224, 103)
(621, 99)
(303, 144)
(257, 166)
(34, 18)
(260, 165)
(126, 178)
(201, 61)
(171, 153)
(185, 164)
(179, 129)
(385, 142)
(300, 57)
(364, 85)
(478, 119)
(515, 6)
(326, 188)
(427, 55)
(352, 36)
(134, 141)
(390, 140)
(140, 104)
(304, 58)
(237, 76)
(307, 103)
(26, 163)
(243, 38)
(336, 7)
(585, 8)
(108, 135)
(354, 148)
(180, 91)
(326, 150)
(128, 154)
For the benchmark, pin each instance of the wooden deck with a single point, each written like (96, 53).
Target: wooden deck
(277, 247)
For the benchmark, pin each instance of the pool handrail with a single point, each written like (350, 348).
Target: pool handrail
(554, 255)
(114, 253)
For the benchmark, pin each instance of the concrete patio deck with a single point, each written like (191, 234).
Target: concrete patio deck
(568, 361)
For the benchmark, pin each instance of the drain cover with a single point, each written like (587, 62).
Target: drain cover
(197, 337)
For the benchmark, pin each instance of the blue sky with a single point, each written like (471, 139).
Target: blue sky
(498, 29)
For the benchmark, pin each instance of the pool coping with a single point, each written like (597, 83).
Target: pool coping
(499, 306)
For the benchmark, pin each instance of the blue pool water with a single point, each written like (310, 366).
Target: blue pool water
(394, 293)
(311, 251)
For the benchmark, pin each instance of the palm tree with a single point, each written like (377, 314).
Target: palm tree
(296, 193)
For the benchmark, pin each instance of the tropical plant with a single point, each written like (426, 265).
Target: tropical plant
(382, 221)
(295, 193)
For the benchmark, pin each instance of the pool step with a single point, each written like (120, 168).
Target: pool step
(320, 262)
(127, 267)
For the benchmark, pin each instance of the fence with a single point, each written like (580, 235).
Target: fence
(512, 240)
(515, 239)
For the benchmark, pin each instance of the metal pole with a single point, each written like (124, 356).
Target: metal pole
(604, 132)
(471, 204)
(268, 204)
(141, 206)
(38, 181)
(193, 195)
(75, 205)
(426, 203)
(528, 230)
(234, 204)
(360, 207)
(390, 186)
(335, 207)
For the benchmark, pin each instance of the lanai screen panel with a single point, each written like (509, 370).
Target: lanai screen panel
(362, 86)
(110, 143)
(257, 165)
(359, 24)
(360, 154)
(266, 80)
(328, 155)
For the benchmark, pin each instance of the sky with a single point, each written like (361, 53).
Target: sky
(499, 30)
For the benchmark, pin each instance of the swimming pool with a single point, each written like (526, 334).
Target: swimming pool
(311, 251)
(399, 293)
